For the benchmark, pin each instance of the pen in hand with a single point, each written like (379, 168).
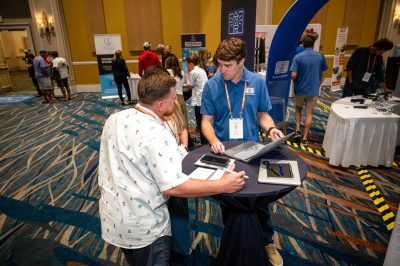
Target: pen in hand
(233, 172)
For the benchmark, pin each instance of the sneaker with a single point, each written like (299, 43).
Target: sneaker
(304, 142)
(273, 255)
(297, 135)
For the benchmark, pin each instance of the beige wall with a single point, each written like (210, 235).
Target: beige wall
(14, 43)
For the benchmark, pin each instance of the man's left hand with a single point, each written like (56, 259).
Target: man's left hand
(276, 134)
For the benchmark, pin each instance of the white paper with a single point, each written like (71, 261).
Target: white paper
(202, 173)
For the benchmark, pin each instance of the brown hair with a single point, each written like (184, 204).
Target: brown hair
(179, 118)
(194, 59)
(154, 86)
(173, 63)
(117, 55)
(202, 54)
(230, 49)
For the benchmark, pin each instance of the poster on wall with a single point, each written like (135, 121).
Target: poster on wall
(106, 45)
(191, 43)
(338, 60)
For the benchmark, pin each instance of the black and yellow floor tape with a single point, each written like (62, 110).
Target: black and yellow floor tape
(325, 106)
(380, 203)
(304, 148)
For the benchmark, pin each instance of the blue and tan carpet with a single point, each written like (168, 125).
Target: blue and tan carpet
(49, 193)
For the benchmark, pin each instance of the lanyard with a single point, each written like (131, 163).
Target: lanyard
(150, 114)
(369, 57)
(229, 102)
(145, 112)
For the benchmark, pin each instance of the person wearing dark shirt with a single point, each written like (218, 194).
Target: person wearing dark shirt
(121, 75)
(366, 70)
(29, 64)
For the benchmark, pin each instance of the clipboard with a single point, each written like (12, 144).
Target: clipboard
(280, 172)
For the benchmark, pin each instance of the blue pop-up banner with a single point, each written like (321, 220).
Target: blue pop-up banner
(282, 51)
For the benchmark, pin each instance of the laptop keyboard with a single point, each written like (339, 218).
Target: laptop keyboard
(249, 152)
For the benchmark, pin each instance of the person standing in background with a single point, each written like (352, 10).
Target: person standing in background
(366, 70)
(174, 69)
(147, 58)
(61, 75)
(197, 80)
(31, 70)
(42, 64)
(121, 75)
(308, 73)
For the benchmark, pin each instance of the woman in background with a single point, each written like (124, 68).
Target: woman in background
(204, 63)
(121, 75)
(197, 80)
(176, 123)
(174, 69)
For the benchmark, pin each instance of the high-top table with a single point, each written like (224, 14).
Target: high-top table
(242, 242)
(360, 136)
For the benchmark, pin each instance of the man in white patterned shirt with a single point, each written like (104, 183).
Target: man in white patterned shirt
(139, 168)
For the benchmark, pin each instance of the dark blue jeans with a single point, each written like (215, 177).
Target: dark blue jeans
(156, 254)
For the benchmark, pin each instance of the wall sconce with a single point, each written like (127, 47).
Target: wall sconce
(45, 27)
(396, 19)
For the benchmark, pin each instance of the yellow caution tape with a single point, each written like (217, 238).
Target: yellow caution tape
(376, 197)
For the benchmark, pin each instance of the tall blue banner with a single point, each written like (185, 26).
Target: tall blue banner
(282, 51)
(238, 19)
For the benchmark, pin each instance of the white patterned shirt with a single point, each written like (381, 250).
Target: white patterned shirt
(197, 78)
(139, 159)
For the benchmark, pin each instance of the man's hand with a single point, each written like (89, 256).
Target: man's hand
(276, 134)
(232, 182)
(217, 147)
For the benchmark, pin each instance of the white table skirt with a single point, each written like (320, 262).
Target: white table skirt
(133, 83)
(360, 136)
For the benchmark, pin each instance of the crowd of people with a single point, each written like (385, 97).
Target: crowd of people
(47, 71)
(140, 164)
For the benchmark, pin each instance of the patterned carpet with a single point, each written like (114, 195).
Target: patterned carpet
(49, 193)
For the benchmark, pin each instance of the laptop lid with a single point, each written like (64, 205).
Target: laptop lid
(246, 152)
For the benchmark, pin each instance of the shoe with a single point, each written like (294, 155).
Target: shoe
(273, 255)
(304, 142)
(123, 103)
(297, 135)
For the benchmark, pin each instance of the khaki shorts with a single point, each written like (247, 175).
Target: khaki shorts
(308, 100)
(45, 83)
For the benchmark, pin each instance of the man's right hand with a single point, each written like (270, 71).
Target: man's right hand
(232, 182)
(217, 147)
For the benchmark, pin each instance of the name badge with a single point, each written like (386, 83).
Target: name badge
(250, 91)
(236, 128)
(366, 77)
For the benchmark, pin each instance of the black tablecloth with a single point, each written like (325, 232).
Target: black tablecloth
(242, 242)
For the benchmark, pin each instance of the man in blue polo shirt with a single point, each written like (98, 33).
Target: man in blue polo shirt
(308, 73)
(235, 103)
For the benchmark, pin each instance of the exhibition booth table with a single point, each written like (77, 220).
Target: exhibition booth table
(242, 242)
(360, 136)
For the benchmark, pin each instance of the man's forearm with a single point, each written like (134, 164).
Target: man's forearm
(208, 131)
(195, 188)
(266, 121)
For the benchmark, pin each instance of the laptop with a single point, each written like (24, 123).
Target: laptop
(251, 150)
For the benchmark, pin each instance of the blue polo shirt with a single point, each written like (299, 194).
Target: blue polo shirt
(214, 103)
(308, 64)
